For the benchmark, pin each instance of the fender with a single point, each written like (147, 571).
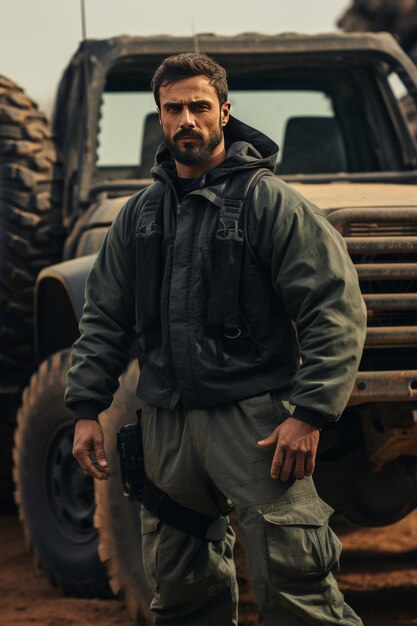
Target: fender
(59, 299)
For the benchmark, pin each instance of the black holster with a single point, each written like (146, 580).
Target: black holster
(137, 487)
(132, 466)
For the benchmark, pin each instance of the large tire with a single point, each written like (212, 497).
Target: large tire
(31, 231)
(8, 407)
(31, 237)
(116, 518)
(118, 523)
(54, 497)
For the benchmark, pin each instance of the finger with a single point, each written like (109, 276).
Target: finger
(277, 462)
(83, 456)
(95, 471)
(300, 465)
(310, 463)
(287, 466)
(100, 453)
(103, 470)
(270, 440)
(99, 459)
(91, 469)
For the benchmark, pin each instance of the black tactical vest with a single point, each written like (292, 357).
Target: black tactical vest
(228, 248)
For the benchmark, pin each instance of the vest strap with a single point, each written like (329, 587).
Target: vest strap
(223, 299)
(149, 240)
(223, 305)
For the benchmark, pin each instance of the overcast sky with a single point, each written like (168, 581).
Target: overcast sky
(38, 37)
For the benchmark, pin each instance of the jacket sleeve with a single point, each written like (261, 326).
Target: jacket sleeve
(312, 273)
(107, 330)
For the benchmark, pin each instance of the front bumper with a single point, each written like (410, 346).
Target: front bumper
(394, 386)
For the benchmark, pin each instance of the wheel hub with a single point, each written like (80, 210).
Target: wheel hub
(70, 492)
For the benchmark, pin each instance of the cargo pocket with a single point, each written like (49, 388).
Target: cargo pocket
(181, 568)
(150, 531)
(301, 544)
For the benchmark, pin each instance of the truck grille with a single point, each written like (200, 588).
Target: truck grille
(383, 245)
(378, 229)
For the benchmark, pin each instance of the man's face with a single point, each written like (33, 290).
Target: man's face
(192, 120)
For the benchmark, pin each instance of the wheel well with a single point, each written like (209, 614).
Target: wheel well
(56, 320)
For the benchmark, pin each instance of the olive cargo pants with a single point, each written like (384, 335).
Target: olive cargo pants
(205, 458)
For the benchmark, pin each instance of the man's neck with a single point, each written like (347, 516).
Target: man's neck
(184, 186)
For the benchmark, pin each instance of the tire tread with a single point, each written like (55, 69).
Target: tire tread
(50, 376)
(31, 230)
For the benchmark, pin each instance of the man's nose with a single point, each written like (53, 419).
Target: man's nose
(187, 119)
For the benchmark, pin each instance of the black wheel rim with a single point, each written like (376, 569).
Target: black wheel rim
(70, 493)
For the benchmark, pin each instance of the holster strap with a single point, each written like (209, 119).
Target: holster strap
(182, 518)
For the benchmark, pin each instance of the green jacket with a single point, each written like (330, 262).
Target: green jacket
(300, 305)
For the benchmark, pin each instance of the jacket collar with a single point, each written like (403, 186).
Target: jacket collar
(247, 148)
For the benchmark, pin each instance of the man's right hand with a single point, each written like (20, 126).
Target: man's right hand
(88, 449)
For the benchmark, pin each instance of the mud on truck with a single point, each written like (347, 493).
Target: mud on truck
(335, 105)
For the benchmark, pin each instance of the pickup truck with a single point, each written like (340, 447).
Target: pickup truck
(338, 107)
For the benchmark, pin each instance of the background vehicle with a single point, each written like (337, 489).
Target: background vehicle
(334, 105)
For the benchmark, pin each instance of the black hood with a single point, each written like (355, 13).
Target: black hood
(246, 148)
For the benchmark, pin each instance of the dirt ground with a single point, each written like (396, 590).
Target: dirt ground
(378, 577)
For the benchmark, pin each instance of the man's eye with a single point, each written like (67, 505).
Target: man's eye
(200, 107)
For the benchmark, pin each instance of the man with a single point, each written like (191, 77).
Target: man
(236, 389)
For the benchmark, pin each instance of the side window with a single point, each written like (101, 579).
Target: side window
(405, 100)
(301, 122)
(129, 131)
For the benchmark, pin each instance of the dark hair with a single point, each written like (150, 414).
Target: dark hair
(189, 64)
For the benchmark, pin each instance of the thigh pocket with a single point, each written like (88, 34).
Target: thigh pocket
(150, 530)
(183, 568)
(300, 542)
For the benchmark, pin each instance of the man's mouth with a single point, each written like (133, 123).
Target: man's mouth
(185, 140)
(186, 136)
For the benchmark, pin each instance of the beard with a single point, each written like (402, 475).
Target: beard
(193, 153)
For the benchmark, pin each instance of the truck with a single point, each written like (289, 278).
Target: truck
(339, 106)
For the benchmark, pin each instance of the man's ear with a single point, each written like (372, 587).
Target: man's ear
(225, 112)
(159, 115)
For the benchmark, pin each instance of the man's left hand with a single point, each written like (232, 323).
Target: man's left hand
(296, 448)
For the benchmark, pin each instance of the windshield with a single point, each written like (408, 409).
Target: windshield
(319, 121)
(299, 121)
